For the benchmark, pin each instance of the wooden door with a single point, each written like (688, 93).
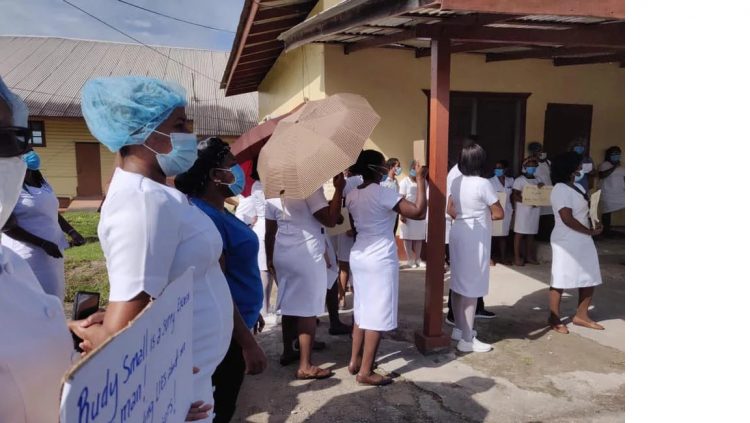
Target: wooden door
(565, 122)
(88, 170)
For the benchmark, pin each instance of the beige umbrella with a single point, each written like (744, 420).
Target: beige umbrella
(314, 144)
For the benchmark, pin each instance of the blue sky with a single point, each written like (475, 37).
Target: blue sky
(55, 18)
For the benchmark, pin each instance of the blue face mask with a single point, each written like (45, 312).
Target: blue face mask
(499, 172)
(183, 155)
(398, 171)
(239, 179)
(579, 176)
(579, 149)
(530, 170)
(33, 162)
(615, 158)
(413, 173)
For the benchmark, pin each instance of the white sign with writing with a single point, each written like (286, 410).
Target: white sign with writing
(594, 209)
(142, 374)
(532, 195)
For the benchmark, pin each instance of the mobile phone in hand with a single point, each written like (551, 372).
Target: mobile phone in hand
(86, 303)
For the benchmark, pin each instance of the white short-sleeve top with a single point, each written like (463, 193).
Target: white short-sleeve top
(522, 181)
(150, 234)
(253, 205)
(408, 190)
(563, 196)
(352, 182)
(295, 217)
(472, 196)
(371, 209)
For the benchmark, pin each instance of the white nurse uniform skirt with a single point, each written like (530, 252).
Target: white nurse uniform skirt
(414, 230)
(470, 257)
(301, 274)
(374, 262)
(527, 219)
(575, 263)
(260, 230)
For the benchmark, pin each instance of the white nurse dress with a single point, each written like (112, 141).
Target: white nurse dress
(502, 228)
(575, 263)
(150, 235)
(613, 188)
(526, 217)
(411, 229)
(374, 260)
(298, 255)
(36, 212)
(471, 237)
(38, 348)
(252, 208)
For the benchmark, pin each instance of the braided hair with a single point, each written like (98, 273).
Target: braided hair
(211, 154)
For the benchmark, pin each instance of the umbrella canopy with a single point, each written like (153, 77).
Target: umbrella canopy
(248, 145)
(314, 144)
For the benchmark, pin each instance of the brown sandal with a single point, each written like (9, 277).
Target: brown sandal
(587, 324)
(315, 373)
(353, 370)
(374, 380)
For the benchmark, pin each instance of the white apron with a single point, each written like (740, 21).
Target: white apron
(36, 212)
(575, 263)
(412, 229)
(613, 188)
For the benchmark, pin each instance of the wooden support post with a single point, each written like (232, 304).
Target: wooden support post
(432, 338)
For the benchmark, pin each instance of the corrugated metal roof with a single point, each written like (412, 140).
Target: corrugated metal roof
(48, 73)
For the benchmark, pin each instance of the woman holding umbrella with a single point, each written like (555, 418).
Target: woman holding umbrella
(374, 259)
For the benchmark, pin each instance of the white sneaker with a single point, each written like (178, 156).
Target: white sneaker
(414, 265)
(421, 264)
(474, 346)
(456, 334)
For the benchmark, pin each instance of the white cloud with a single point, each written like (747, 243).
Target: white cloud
(138, 23)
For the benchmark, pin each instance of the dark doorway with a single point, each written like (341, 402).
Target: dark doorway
(88, 170)
(565, 122)
(496, 120)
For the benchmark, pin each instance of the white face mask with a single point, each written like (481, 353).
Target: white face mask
(12, 172)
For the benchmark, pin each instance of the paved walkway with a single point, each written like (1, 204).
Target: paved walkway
(531, 375)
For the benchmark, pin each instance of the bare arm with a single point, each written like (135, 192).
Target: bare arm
(605, 173)
(329, 216)
(418, 209)
(70, 230)
(566, 215)
(271, 228)
(12, 230)
(451, 210)
(97, 328)
(496, 210)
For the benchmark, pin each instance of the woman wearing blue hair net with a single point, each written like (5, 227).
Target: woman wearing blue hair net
(150, 233)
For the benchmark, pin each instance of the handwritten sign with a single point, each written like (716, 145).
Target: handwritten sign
(144, 372)
(497, 225)
(594, 207)
(532, 195)
(419, 152)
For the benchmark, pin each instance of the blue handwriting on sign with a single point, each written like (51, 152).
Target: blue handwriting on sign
(131, 363)
(88, 411)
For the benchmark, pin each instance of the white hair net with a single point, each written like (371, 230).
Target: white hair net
(17, 106)
(124, 110)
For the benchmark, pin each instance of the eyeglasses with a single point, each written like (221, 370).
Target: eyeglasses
(21, 140)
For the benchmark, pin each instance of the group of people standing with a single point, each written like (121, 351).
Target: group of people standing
(151, 233)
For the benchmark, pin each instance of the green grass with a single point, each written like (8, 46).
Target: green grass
(85, 268)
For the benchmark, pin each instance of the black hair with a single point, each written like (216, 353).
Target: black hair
(534, 147)
(392, 162)
(472, 160)
(254, 171)
(211, 154)
(610, 151)
(365, 162)
(564, 165)
(504, 163)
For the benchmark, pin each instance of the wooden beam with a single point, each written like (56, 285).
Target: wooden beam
(545, 53)
(457, 48)
(378, 41)
(609, 35)
(587, 60)
(243, 38)
(613, 9)
(432, 338)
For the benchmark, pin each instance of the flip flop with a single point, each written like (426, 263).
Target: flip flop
(585, 324)
(316, 373)
(381, 381)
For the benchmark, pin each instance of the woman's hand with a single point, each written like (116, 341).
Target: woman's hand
(259, 325)
(421, 172)
(402, 218)
(597, 230)
(339, 182)
(83, 329)
(198, 411)
(540, 184)
(77, 239)
(255, 358)
(51, 249)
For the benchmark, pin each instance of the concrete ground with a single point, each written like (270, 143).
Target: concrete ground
(532, 374)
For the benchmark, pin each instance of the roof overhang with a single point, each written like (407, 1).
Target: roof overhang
(568, 32)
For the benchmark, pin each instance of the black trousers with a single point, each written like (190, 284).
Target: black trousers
(227, 380)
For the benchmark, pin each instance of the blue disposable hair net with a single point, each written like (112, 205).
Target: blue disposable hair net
(17, 106)
(124, 110)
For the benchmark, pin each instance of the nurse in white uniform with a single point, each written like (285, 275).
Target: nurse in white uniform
(295, 247)
(374, 260)
(413, 232)
(34, 359)
(150, 233)
(526, 223)
(575, 263)
(252, 211)
(502, 182)
(473, 204)
(612, 175)
(37, 231)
